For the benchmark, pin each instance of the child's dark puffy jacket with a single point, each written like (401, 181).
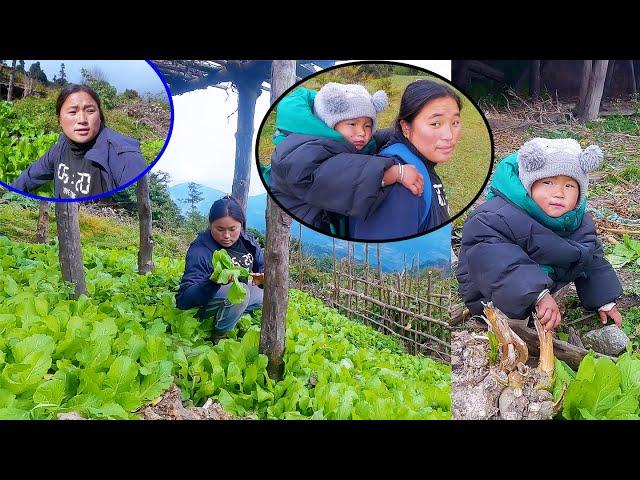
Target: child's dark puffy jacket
(506, 253)
(311, 176)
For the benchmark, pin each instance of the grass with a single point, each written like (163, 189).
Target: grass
(18, 221)
(470, 164)
(628, 124)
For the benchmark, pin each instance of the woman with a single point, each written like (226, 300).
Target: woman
(89, 158)
(226, 231)
(426, 132)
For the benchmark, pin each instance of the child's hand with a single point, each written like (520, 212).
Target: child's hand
(413, 180)
(613, 313)
(257, 278)
(548, 313)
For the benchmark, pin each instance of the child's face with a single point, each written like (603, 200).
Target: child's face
(555, 195)
(357, 131)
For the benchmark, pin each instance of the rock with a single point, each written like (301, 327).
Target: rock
(70, 416)
(609, 340)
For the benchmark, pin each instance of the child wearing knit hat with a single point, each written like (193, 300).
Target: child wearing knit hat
(532, 237)
(324, 166)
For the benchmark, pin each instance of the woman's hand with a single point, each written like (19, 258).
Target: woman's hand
(411, 179)
(613, 313)
(548, 312)
(257, 278)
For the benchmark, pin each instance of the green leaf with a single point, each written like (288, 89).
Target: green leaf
(22, 377)
(10, 286)
(154, 351)
(50, 392)
(237, 293)
(594, 390)
(110, 411)
(234, 375)
(155, 384)
(24, 350)
(121, 374)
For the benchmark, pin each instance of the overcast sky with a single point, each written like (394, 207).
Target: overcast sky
(122, 74)
(202, 145)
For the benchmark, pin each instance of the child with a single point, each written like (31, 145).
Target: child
(322, 169)
(532, 237)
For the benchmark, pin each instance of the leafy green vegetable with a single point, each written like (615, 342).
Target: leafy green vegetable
(107, 355)
(224, 271)
(627, 251)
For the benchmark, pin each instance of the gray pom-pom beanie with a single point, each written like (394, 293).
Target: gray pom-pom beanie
(336, 102)
(542, 157)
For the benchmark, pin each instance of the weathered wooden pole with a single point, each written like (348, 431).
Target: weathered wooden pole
(248, 92)
(145, 251)
(534, 79)
(42, 230)
(69, 248)
(594, 91)
(587, 65)
(11, 75)
(276, 288)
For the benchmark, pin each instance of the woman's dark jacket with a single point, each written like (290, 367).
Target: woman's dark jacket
(196, 289)
(117, 156)
(402, 213)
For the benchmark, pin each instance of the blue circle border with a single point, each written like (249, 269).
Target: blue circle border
(129, 183)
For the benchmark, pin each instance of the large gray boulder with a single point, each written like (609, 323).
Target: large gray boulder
(609, 340)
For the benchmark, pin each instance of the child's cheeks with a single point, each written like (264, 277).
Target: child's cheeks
(555, 195)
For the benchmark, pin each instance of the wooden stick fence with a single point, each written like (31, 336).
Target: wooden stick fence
(410, 305)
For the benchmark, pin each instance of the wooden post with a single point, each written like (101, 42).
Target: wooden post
(11, 76)
(145, 251)
(69, 248)
(300, 259)
(335, 275)
(534, 79)
(248, 92)
(584, 86)
(276, 299)
(594, 91)
(609, 77)
(634, 86)
(366, 277)
(42, 230)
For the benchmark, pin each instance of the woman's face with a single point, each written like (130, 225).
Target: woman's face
(80, 117)
(435, 130)
(226, 231)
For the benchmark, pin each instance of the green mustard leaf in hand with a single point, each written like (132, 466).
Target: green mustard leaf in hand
(237, 293)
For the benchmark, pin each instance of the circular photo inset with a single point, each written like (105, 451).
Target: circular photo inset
(374, 151)
(75, 130)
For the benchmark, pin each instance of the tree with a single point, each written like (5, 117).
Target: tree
(20, 67)
(37, 73)
(61, 79)
(97, 80)
(194, 196)
(276, 290)
(590, 104)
